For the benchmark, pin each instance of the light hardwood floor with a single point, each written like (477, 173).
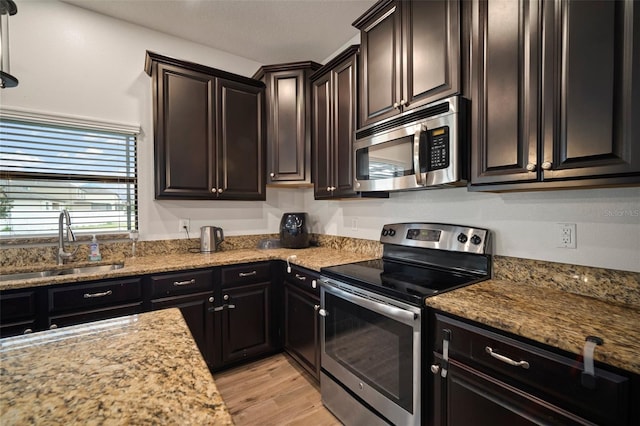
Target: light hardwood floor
(273, 391)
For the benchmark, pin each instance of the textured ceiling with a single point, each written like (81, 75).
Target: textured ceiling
(266, 31)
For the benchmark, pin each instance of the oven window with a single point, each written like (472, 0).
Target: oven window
(385, 160)
(377, 349)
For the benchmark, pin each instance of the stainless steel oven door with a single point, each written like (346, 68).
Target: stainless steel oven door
(372, 346)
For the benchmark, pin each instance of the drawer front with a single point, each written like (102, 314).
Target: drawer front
(17, 305)
(246, 274)
(304, 279)
(8, 329)
(83, 297)
(181, 283)
(65, 320)
(538, 371)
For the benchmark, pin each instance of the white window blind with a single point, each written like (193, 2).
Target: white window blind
(45, 168)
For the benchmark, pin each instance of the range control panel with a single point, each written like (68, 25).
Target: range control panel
(437, 236)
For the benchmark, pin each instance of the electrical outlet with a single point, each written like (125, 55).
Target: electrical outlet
(566, 233)
(184, 224)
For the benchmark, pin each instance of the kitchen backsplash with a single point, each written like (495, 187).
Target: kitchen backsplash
(605, 284)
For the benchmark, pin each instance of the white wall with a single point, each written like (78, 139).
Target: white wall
(71, 61)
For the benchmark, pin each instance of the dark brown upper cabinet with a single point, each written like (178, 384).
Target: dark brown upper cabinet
(410, 56)
(554, 108)
(334, 89)
(288, 122)
(209, 131)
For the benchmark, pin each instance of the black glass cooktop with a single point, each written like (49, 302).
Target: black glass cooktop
(399, 280)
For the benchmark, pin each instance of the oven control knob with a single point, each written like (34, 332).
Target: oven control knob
(476, 240)
(462, 238)
(385, 232)
(392, 232)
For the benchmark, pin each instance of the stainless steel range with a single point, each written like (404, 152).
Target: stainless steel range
(373, 323)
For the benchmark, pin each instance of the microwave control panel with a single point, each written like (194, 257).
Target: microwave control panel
(439, 148)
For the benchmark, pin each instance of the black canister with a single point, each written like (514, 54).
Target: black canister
(294, 232)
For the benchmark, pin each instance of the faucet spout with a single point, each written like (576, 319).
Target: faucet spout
(63, 219)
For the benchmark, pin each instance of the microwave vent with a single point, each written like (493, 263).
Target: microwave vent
(402, 120)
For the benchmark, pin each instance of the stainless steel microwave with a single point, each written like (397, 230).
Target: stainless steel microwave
(420, 149)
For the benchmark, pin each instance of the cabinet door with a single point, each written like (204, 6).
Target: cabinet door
(288, 154)
(302, 328)
(197, 311)
(469, 397)
(18, 311)
(241, 145)
(344, 123)
(380, 71)
(184, 133)
(431, 51)
(246, 323)
(504, 85)
(322, 136)
(593, 63)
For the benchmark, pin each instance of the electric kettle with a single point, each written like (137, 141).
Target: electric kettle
(210, 239)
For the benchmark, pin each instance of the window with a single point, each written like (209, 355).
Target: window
(46, 167)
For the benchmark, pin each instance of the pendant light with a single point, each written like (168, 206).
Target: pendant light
(7, 8)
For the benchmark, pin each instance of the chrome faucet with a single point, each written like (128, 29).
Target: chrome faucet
(62, 255)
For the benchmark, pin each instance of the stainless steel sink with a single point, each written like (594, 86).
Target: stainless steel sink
(57, 272)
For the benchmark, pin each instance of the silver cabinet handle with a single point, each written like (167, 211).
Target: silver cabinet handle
(396, 105)
(301, 277)
(214, 190)
(211, 299)
(272, 174)
(316, 307)
(28, 331)
(323, 313)
(101, 294)
(435, 368)
(225, 297)
(53, 326)
(506, 360)
(403, 103)
(181, 283)
(314, 284)
(546, 165)
(531, 167)
(231, 306)
(247, 274)
(218, 308)
(220, 190)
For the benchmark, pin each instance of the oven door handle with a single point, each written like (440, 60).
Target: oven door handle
(416, 155)
(402, 315)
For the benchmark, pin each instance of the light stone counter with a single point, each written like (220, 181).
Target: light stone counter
(313, 258)
(140, 369)
(551, 316)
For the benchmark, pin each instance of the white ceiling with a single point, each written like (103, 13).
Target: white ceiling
(266, 31)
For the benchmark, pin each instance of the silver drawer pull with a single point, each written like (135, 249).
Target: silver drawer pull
(247, 274)
(506, 360)
(301, 277)
(181, 283)
(102, 294)
(323, 313)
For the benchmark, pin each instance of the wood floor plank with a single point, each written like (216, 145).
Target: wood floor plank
(273, 391)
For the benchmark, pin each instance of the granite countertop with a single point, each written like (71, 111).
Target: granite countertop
(550, 316)
(138, 369)
(313, 258)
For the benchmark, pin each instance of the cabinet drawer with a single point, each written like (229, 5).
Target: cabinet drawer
(304, 279)
(87, 296)
(15, 306)
(74, 318)
(545, 374)
(245, 274)
(181, 283)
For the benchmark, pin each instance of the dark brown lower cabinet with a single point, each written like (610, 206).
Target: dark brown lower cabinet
(495, 379)
(18, 312)
(197, 312)
(246, 322)
(302, 326)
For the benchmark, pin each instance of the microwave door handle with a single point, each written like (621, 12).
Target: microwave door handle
(416, 155)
